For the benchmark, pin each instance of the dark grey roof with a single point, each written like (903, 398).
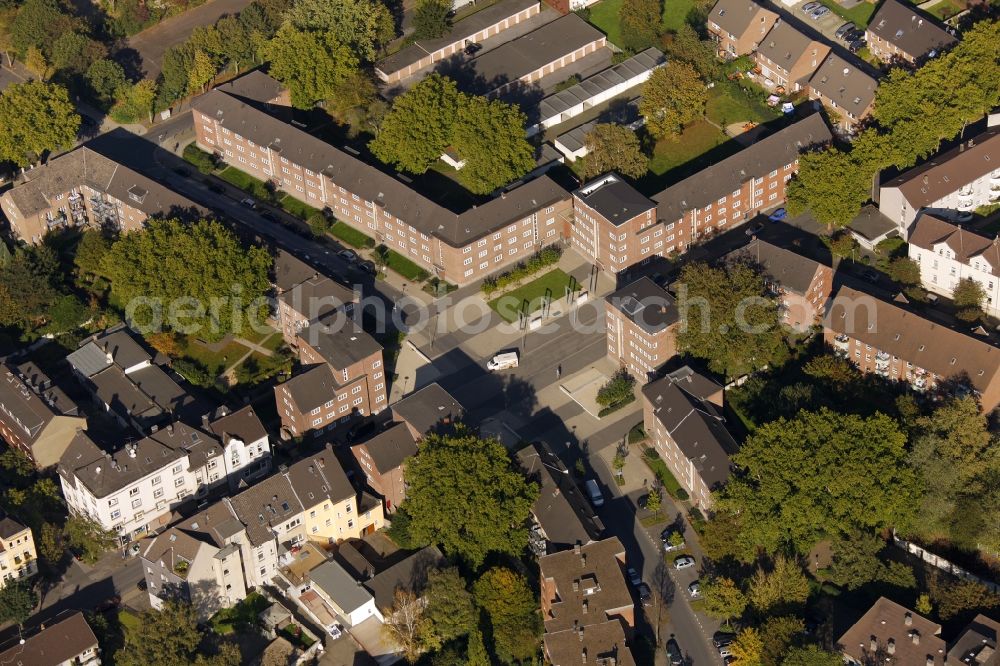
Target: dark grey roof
(115, 389)
(254, 87)
(312, 387)
(784, 45)
(372, 184)
(83, 166)
(55, 644)
(617, 201)
(21, 408)
(339, 586)
(341, 343)
(759, 159)
(409, 574)
(459, 32)
(646, 304)
(289, 270)
(871, 223)
(306, 290)
(790, 270)
(115, 346)
(616, 75)
(576, 138)
(977, 644)
(844, 83)
(35, 379)
(696, 426)
(9, 527)
(561, 509)
(426, 408)
(242, 424)
(163, 390)
(734, 16)
(914, 34)
(391, 447)
(509, 62)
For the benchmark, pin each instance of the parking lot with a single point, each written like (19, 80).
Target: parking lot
(825, 25)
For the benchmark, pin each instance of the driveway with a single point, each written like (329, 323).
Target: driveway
(826, 25)
(152, 43)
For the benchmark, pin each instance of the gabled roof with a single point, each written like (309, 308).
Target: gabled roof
(784, 45)
(254, 87)
(408, 574)
(721, 179)
(646, 304)
(601, 82)
(340, 343)
(789, 269)
(589, 584)
(391, 447)
(736, 16)
(10, 527)
(426, 408)
(602, 643)
(368, 182)
(929, 231)
(914, 34)
(21, 409)
(950, 171)
(844, 83)
(346, 592)
(312, 387)
(977, 644)
(887, 621)
(114, 347)
(55, 644)
(910, 337)
(242, 424)
(695, 425)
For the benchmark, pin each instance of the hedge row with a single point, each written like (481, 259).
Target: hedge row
(544, 258)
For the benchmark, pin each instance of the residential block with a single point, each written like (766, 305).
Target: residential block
(787, 57)
(67, 641)
(642, 321)
(36, 418)
(897, 33)
(739, 26)
(18, 558)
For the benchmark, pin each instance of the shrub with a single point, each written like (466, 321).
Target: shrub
(615, 407)
(204, 162)
(544, 258)
(618, 390)
(193, 371)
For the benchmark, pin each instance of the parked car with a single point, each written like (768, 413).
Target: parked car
(694, 589)
(725, 652)
(818, 13)
(249, 203)
(335, 631)
(473, 48)
(182, 171)
(503, 361)
(854, 35)
(368, 267)
(723, 638)
(594, 492)
(809, 6)
(674, 653)
(870, 274)
(857, 45)
(633, 577)
(844, 30)
(667, 537)
(778, 215)
(348, 255)
(645, 595)
(684, 562)
(269, 216)
(754, 229)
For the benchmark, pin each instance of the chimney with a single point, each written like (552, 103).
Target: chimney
(890, 647)
(205, 420)
(915, 637)
(576, 548)
(873, 644)
(908, 619)
(583, 656)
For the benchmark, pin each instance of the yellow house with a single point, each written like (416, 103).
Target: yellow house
(17, 552)
(336, 515)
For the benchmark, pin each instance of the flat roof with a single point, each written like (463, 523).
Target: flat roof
(590, 87)
(575, 138)
(614, 199)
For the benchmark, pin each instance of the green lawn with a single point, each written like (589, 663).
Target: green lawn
(666, 478)
(858, 15)
(241, 617)
(405, 267)
(508, 305)
(604, 15)
(728, 103)
(694, 142)
(245, 182)
(946, 9)
(297, 208)
(350, 235)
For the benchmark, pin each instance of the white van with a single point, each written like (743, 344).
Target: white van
(502, 361)
(596, 498)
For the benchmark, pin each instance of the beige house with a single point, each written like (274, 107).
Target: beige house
(17, 552)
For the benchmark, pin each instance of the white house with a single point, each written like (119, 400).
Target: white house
(951, 185)
(566, 104)
(133, 490)
(345, 595)
(948, 253)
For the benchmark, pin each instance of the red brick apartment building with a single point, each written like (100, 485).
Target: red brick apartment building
(787, 57)
(346, 378)
(897, 33)
(642, 321)
(458, 247)
(36, 418)
(84, 188)
(738, 26)
(682, 415)
(883, 338)
(802, 284)
(587, 606)
(609, 216)
(303, 295)
(423, 53)
(847, 91)
(382, 460)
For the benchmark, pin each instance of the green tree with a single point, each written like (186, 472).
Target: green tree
(105, 77)
(50, 544)
(418, 127)
(202, 71)
(135, 102)
(311, 64)
(432, 19)
(476, 654)
(512, 609)
(168, 637)
(674, 96)
(174, 75)
(39, 23)
(748, 648)
(968, 295)
(26, 291)
(618, 389)
(955, 598)
(35, 118)
(820, 474)
(90, 251)
(687, 46)
(86, 535)
(783, 587)
(363, 26)
(904, 270)
(811, 655)
(489, 136)
(923, 605)
(728, 317)
(641, 23)
(481, 475)
(450, 610)
(75, 52)
(17, 601)
(614, 148)
(831, 185)
(654, 502)
(202, 263)
(856, 563)
(777, 635)
(723, 599)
